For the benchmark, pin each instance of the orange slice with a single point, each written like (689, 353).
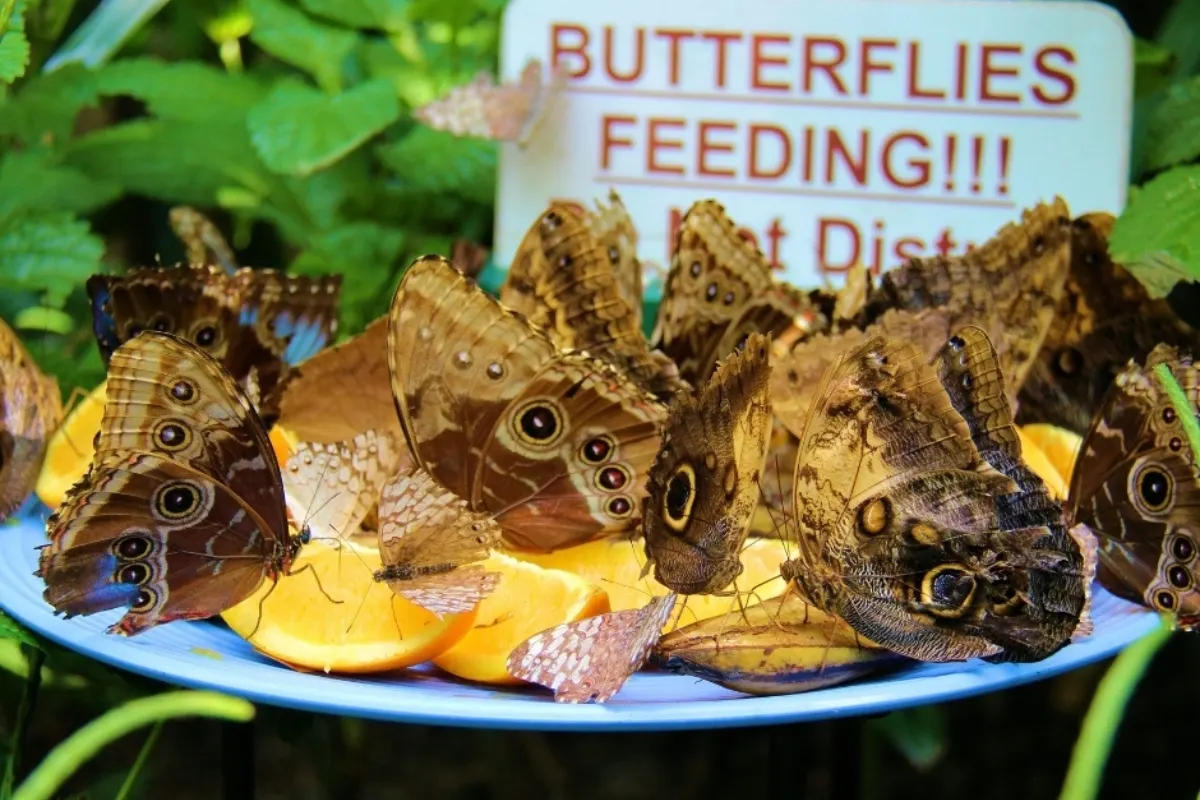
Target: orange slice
(284, 442)
(69, 452)
(1041, 464)
(615, 565)
(370, 630)
(528, 600)
(1060, 445)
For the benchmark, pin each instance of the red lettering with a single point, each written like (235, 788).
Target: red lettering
(674, 37)
(914, 74)
(758, 60)
(827, 227)
(961, 71)
(838, 150)
(988, 71)
(814, 64)
(559, 47)
(908, 247)
(870, 65)
(918, 168)
(705, 146)
(945, 243)
(775, 234)
(608, 140)
(639, 59)
(1065, 79)
(654, 144)
(754, 170)
(721, 40)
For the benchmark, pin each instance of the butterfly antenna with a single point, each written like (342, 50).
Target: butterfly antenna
(362, 601)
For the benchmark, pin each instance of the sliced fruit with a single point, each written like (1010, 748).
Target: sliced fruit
(284, 442)
(370, 630)
(615, 565)
(1040, 463)
(69, 452)
(528, 600)
(1060, 445)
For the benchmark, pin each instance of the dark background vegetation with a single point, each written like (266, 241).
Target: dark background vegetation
(92, 160)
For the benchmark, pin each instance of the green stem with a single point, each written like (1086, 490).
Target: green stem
(143, 755)
(67, 757)
(33, 684)
(1104, 716)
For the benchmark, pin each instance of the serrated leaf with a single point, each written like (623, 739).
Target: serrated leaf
(14, 49)
(34, 181)
(1157, 236)
(1174, 132)
(183, 90)
(292, 36)
(386, 15)
(438, 161)
(47, 104)
(53, 252)
(12, 630)
(299, 130)
(103, 32)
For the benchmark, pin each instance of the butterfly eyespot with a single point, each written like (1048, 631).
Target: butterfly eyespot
(729, 484)
(130, 547)
(1068, 361)
(172, 436)
(967, 381)
(924, 533)
(1179, 577)
(1039, 245)
(462, 359)
(1006, 600)
(1176, 444)
(619, 507)
(1154, 488)
(161, 323)
(564, 260)
(1168, 415)
(206, 336)
(729, 298)
(710, 460)
(539, 424)
(679, 497)
(695, 269)
(792, 376)
(875, 517)
(1164, 601)
(176, 500)
(425, 333)
(947, 590)
(146, 599)
(596, 451)
(612, 478)
(137, 574)
(710, 293)
(614, 255)
(1182, 548)
(957, 343)
(183, 391)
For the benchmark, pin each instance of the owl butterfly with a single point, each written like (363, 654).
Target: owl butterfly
(202, 239)
(704, 484)
(720, 290)
(30, 411)
(553, 444)
(330, 489)
(256, 323)
(916, 520)
(1010, 286)
(181, 514)
(1104, 318)
(564, 282)
(1136, 485)
(430, 540)
(614, 229)
(589, 660)
(508, 112)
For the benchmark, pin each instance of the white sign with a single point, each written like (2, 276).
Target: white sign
(835, 131)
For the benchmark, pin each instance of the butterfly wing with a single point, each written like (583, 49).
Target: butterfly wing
(614, 229)
(589, 660)
(30, 411)
(293, 316)
(553, 444)
(1136, 485)
(202, 239)
(704, 484)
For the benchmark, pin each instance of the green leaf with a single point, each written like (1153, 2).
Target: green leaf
(299, 130)
(48, 252)
(387, 15)
(365, 250)
(183, 90)
(14, 49)
(47, 104)
(39, 318)
(12, 630)
(455, 13)
(292, 36)
(103, 32)
(7, 9)
(1157, 236)
(1150, 54)
(34, 181)
(47, 18)
(437, 161)
(1174, 133)
(918, 733)
(1179, 32)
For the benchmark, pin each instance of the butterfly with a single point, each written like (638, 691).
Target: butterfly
(553, 444)
(30, 411)
(916, 519)
(256, 323)
(508, 112)
(562, 280)
(1105, 318)
(181, 514)
(1136, 485)
(202, 239)
(614, 229)
(430, 542)
(720, 290)
(589, 660)
(704, 483)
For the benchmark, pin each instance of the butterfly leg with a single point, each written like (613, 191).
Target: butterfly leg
(317, 578)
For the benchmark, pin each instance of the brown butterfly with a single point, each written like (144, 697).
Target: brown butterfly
(917, 521)
(508, 112)
(1105, 318)
(202, 239)
(589, 660)
(704, 484)
(181, 514)
(563, 281)
(720, 290)
(30, 411)
(553, 444)
(1136, 485)
(430, 540)
(614, 229)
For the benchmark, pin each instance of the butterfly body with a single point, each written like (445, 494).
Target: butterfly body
(1136, 485)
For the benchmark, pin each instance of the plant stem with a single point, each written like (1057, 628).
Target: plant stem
(67, 757)
(1104, 715)
(33, 684)
(132, 776)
